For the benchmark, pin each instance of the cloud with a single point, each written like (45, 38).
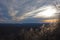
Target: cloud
(35, 13)
(29, 10)
(18, 10)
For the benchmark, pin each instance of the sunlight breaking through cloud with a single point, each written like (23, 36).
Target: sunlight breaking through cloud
(44, 12)
(48, 12)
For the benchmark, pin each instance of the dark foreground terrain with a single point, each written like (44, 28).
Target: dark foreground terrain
(32, 31)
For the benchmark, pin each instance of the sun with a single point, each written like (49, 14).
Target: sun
(47, 12)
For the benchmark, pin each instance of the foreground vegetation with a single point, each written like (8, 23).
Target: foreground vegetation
(45, 32)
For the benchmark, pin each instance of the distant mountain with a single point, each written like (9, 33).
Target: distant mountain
(23, 25)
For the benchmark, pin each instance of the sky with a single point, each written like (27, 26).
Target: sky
(27, 11)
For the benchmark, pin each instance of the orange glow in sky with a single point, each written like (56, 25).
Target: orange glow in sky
(50, 20)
